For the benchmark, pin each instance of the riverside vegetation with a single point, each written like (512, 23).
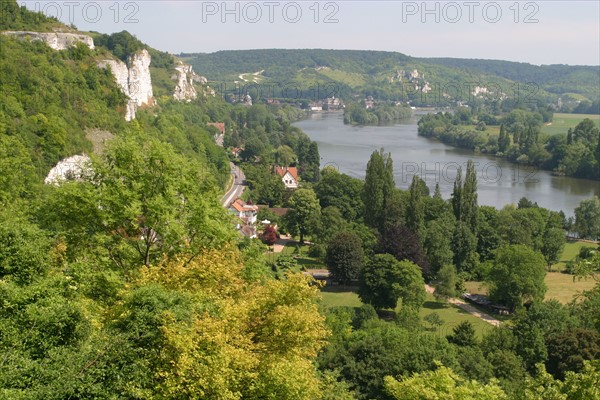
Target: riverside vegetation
(129, 281)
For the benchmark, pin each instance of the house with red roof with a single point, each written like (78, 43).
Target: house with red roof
(289, 176)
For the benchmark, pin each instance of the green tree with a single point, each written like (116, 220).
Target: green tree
(441, 383)
(586, 308)
(378, 188)
(24, 250)
(16, 170)
(143, 201)
(463, 335)
(503, 140)
(517, 276)
(553, 244)
(464, 248)
(415, 209)
(284, 155)
(469, 213)
(380, 349)
(384, 280)
(587, 218)
(446, 280)
(304, 215)
(404, 244)
(567, 351)
(434, 320)
(438, 244)
(330, 223)
(457, 200)
(345, 257)
(270, 190)
(341, 191)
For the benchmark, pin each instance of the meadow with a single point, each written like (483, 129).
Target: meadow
(562, 122)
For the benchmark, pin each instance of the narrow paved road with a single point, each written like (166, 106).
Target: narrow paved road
(237, 188)
(469, 308)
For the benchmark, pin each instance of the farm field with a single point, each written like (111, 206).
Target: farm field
(562, 122)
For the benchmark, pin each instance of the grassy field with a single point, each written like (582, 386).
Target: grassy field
(451, 315)
(562, 122)
(336, 296)
(570, 251)
(560, 286)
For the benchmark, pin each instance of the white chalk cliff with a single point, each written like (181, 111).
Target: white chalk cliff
(185, 90)
(71, 168)
(56, 40)
(133, 79)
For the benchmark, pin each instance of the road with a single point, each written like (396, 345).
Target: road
(237, 188)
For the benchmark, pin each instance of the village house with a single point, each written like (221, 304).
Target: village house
(289, 176)
(246, 214)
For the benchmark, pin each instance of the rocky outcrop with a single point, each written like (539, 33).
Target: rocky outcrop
(140, 82)
(185, 90)
(133, 79)
(71, 168)
(56, 40)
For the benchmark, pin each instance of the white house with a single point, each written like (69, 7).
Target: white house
(289, 176)
(245, 212)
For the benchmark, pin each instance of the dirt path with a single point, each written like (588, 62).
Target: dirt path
(280, 244)
(468, 308)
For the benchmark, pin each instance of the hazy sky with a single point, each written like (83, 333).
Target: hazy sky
(540, 32)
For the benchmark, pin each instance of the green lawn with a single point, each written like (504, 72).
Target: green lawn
(452, 316)
(562, 122)
(335, 296)
(570, 251)
(560, 286)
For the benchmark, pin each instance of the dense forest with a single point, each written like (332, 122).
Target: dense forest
(129, 279)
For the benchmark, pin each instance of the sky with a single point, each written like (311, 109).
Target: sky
(537, 32)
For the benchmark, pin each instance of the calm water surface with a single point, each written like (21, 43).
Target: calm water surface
(348, 148)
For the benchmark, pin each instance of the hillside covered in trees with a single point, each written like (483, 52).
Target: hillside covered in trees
(387, 76)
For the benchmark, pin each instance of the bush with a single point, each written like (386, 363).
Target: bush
(317, 251)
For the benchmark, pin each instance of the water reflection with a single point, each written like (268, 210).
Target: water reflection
(499, 182)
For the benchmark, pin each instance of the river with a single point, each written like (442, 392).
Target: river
(499, 182)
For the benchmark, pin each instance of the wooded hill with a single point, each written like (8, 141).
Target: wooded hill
(383, 74)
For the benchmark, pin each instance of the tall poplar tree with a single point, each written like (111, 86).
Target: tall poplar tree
(415, 215)
(469, 204)
(457, 195)
(379, 187)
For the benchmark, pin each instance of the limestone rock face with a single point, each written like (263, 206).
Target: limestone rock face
(71, 168)
(185, 90)
(140, 82)
(56, 40)
(133, 79)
